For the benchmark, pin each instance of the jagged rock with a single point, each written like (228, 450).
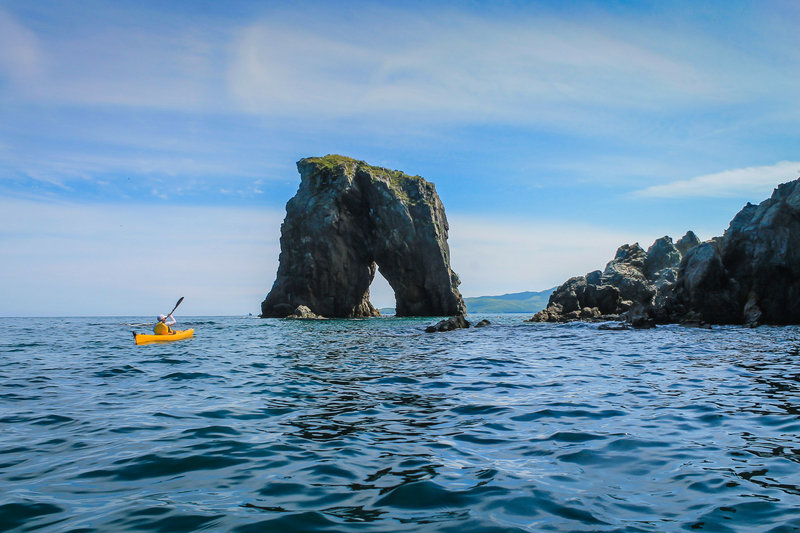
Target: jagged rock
(605, 298)
(705, 288)
(449, 324)
(661, 256)
(303, 312)
(348, 218)
(568, 296)
(627, 273)
(552, 313)
(687, 242)
(750, 275)
(633, 277)
(483, 323)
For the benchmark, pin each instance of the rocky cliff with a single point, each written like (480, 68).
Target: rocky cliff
(750, 275)
(347, 219)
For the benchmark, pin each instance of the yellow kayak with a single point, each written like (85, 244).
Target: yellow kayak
(176, 335)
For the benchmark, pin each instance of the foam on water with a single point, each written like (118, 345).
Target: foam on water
(373, 425)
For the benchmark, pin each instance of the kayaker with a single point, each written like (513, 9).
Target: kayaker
(162, 327)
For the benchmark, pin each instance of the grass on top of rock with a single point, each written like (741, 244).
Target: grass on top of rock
(332, 161)
(396, 179)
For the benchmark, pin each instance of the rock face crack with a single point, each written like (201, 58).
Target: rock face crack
(349, 218)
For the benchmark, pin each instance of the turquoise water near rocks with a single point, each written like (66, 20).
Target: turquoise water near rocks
(373, 425)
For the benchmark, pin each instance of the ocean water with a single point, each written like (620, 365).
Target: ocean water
(373, 425)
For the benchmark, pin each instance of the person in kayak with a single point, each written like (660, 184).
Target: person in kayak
(162, 327)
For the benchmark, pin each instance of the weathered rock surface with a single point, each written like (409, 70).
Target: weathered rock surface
(750, 275)
(449, 324)
(634, 280)
(347, 219)
(303, 312)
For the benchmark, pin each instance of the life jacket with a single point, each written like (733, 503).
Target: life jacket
(161, 329)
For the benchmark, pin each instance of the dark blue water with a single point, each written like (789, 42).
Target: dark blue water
(372, 425)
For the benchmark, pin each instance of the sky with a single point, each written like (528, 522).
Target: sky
(148, 149)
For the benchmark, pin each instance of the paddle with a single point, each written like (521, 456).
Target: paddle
(169, 315)
(176, 306)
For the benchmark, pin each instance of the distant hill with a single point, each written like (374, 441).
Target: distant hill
(517, 302)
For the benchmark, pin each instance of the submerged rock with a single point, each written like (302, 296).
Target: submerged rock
(614, 327)
(449, 324)
(349, 218)
(639, 317)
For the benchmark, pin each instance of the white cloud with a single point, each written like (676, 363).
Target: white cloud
(741, 182)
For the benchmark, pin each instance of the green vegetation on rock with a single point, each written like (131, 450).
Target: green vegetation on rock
(332, 161)
(396, 178)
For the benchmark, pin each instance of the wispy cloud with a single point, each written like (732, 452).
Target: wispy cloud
(457, 67)
(740, 182)
(148, 66)
(202, 93)
(20, 51)
(440, 64)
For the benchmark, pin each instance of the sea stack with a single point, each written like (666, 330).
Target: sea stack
(349, 218)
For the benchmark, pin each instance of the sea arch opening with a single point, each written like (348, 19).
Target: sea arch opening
(381, 294)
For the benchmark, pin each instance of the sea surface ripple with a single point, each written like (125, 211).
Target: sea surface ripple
(373, 425)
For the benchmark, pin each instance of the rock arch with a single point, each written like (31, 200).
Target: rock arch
(349, 217)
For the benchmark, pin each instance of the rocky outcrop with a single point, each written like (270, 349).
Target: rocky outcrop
(449, 324)
(349, 218)
(303, 312)
(750, 275)
(632, 284)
